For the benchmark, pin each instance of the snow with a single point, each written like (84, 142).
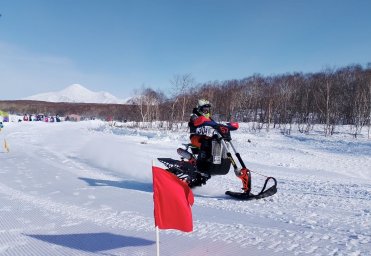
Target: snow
(85, 188)
(77, 93)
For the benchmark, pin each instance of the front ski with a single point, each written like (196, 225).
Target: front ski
(245, 196)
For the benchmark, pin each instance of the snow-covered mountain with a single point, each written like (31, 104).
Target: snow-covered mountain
(78, 94)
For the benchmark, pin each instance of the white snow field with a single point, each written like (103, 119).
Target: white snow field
(86, 189)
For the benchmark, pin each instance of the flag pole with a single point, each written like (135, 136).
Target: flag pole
(157, 229)
(6, 147)
(158, 240)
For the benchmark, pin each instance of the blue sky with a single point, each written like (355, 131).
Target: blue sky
(119, 46)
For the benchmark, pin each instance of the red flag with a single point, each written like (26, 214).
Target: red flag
(173, 200)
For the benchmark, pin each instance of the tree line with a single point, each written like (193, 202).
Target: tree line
(294, 100)
(288, 101)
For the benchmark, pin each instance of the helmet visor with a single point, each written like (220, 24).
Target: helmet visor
(205, 109)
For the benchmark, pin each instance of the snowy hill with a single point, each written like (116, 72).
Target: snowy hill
(78, 94)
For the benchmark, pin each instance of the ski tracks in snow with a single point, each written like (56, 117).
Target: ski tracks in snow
(306, 216)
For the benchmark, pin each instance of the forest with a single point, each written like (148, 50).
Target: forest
(331, 97)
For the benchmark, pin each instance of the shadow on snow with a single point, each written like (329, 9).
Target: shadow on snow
(128, 184)
(93, 242)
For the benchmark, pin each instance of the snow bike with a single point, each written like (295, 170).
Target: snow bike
(188, 168)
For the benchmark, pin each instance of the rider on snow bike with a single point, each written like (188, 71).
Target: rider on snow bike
(211, 155)
(204, 144)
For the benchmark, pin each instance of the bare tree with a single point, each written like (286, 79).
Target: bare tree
(181, 86)
(368, 84)
(148, 101)
(323, 98)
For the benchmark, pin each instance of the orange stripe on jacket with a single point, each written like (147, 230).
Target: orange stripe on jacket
(195, 140)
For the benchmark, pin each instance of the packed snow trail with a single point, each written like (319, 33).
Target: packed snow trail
(86, 189)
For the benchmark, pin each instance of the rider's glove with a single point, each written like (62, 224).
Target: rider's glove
(223, 130)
